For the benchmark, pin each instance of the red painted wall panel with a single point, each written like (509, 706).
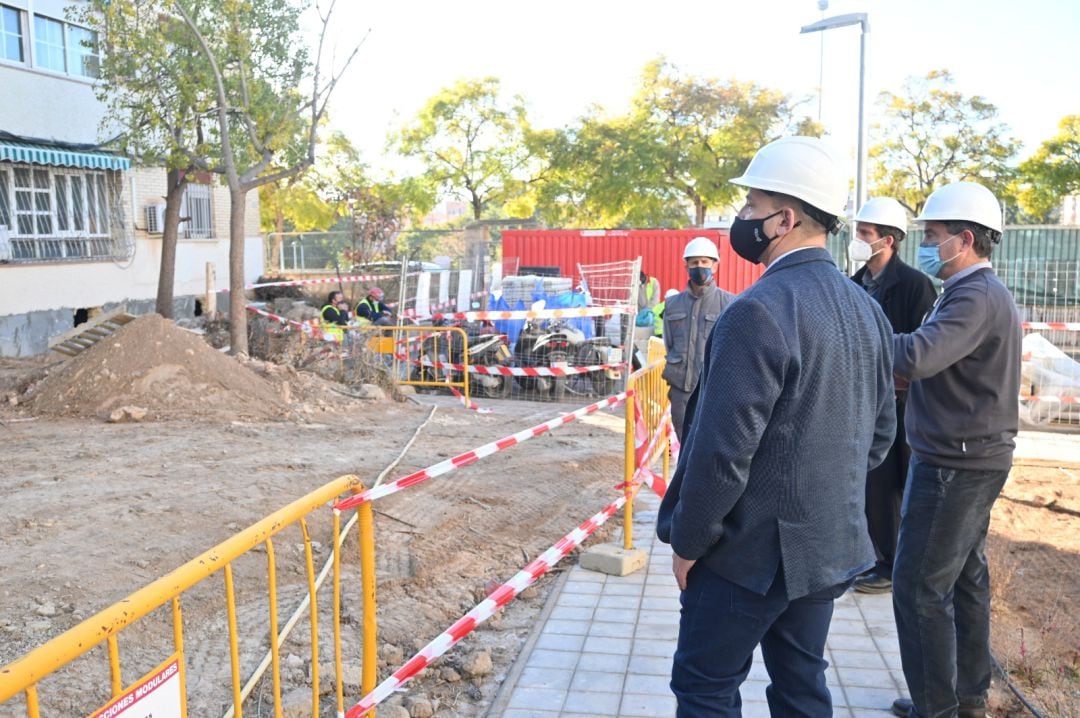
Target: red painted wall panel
(660, 251)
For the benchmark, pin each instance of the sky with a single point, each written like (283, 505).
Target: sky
(564, 55)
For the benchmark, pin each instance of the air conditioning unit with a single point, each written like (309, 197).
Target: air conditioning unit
(155, 218)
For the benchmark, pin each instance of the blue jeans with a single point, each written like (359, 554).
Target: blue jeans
(941, 586)
(720, 625)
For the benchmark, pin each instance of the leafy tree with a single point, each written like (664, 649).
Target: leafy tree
(1052, 172)
(933, 135)
(156, 90)
(471, 144)
(270, 98)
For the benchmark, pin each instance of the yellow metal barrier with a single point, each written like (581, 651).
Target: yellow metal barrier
(413, 353)
(24, 674)
(651, 395)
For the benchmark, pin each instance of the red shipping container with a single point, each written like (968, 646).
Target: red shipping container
(660, 250)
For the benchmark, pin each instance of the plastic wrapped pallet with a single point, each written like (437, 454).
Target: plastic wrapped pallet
(523, 287)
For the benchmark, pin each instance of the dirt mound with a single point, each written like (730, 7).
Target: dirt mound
(153, 364)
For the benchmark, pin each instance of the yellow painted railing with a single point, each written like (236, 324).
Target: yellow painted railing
(412, 353)
(651, 397)
(24, 674)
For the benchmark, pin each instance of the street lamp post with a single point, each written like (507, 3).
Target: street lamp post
(861, 19)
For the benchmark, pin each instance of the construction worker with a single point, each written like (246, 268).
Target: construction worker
(688, 318)
(658, 313)
(335, 315)
(905, 295)
(649, 291)
(371, 309)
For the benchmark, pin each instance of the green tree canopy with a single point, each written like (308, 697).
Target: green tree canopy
(471, 143)
(933, 135)
(1052, 172)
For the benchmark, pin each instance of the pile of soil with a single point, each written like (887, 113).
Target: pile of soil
(153, 364)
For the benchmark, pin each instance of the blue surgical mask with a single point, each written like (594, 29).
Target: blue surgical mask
(699, 276)
(929, 258)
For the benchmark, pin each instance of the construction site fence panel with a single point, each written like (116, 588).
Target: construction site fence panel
(428, 357)
(65, 660)
(647, 435)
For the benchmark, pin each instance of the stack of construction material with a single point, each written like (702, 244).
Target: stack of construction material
(523, 287)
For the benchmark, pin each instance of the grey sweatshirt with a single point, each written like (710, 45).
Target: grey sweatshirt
(964, 368)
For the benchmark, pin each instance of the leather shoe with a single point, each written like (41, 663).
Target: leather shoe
(901, 707)
(873, 583)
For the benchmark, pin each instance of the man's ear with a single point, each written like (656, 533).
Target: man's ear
(787, 221)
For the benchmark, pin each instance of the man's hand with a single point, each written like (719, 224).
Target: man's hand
(681, 567)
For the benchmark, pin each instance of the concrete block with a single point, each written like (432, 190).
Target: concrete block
(613, 559)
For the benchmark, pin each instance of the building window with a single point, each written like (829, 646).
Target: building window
(60, 213)
(66, 48)
(11, 34)
(49, 44)
(196, 212)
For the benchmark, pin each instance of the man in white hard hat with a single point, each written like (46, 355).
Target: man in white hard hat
(905, 295)
(689, 317)
(765, 513)
(964, 367)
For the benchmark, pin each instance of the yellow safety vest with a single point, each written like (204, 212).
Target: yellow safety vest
(658, 319)
(333, 329)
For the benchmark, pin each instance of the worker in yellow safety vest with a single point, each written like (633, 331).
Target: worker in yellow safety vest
(658, 313)
(648, 293)
(371, 309)
(335, 316)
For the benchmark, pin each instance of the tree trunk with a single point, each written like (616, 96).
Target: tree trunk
(238, 339)
(174, 193)
(699, 214)
(279, 238)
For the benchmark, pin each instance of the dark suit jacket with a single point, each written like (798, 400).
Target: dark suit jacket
(796, 404)
(904, 293)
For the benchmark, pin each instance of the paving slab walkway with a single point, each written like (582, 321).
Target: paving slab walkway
(603, 647)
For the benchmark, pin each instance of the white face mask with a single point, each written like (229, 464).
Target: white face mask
(860, 251)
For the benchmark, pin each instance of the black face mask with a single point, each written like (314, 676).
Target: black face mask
(748, 237)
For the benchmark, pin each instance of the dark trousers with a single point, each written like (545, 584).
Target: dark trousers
(720, 625)
(885, 493)
(941, 586)
(679, 399)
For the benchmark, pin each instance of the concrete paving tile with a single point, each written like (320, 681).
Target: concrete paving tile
(657, 630)
(631, 579)
(842, 642)
(608, 662)
(647, 684)
(611, 630)
(847, 613)
(580, 574)
(571, 613)
(661, 590)
(623, 589)
(866, 713)
(755, 709)
(564, 714)
(584, 587)
(887, 644)
(892, 660)
(873, 698)
(647, 705)
(594, 703)
(753, 690)
(560, 642)
(882, 629)
(604, 644)
(662, 618)
(878, 614)
(608, 602)
(537, 698)
(857, 659)
(660, 603)
(602, 681)
(583, 600)
(865, 677)
(543, 658)
(622, 616)
(848, 627)
(574, 628)
(899, 680)
(555, 678)
(529, 713)
(651, 665)
(653, 647)
(663, 579)
(758, 672)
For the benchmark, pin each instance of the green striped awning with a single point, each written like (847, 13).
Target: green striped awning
(60, 157)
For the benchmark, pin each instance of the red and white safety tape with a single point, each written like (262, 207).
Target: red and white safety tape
(1057, 326)
(323, 280)
(536, 314)
(485, 609)
(481, 452)
(469, 403)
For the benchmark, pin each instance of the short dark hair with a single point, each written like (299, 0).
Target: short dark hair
(331, 295)
(824, 221)
(985, 238)
(884, 230)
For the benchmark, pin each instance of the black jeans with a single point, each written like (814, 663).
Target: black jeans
(941, 586)
(720, 625)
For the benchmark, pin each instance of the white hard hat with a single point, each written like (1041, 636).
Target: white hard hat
(701, 247)
(803, 167)
(963, 201)
(885, 211)
(670, 293)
